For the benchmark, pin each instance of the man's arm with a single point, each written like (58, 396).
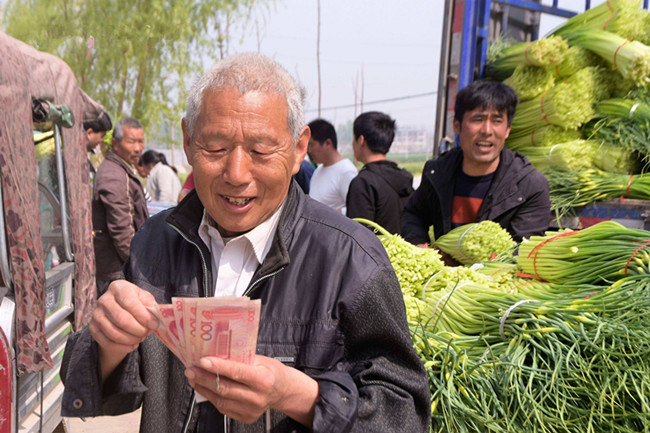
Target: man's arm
(120, 210)
(417, 216)
(534, 216)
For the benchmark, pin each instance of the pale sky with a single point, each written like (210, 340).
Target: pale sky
(395, 44)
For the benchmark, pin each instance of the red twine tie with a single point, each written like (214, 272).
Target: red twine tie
(627, 265)
(541, 244)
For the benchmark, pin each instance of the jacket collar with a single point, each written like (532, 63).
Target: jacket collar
(187, 215)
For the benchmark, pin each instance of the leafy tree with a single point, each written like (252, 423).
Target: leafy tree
(135, 57)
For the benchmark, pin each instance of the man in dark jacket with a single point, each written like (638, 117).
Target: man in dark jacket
(481, 180)
(381, 189)
(119, 206)
(334, 352)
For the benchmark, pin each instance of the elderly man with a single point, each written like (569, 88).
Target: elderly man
(119, 206)
(333, 351)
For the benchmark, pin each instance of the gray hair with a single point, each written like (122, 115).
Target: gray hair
(249, 72)
(125, 122)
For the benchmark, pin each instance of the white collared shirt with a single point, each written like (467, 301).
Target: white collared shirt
(234, 260)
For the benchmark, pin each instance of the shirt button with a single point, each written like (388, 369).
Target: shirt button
(77, 404)
(433, 171)
(520, 199)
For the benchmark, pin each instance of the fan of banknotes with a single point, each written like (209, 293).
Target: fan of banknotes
(225, 327)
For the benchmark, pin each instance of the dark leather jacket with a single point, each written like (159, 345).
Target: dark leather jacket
(119, 210)
(331, 307)
(518, 198)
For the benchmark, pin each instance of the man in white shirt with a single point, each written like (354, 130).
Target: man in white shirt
(331, 180)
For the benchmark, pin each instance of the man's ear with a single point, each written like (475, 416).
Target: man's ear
(328, 142)
(456, 126)
(300, 149)
(186, 141)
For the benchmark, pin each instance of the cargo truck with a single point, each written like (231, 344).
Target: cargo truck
(469, 26)
(47, 287)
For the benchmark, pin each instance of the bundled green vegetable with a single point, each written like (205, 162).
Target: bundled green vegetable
(544, 137)
(633, 135)
(556, 361)
(575, 59)
(567, 104)
(530, 81)
(542, 52)
(603, 251)
(413, 266)
(570, 189)
(630, 58)
(547, 135)
(623, 17)
(475, 242)
(624, 109)
(579, 155)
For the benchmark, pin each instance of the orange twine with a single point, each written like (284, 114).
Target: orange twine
(627, 191)
(627, 265)
(526, 54)
(616, 52)
(542, 107)
(591, 294)
(610, 15)
(541, 244)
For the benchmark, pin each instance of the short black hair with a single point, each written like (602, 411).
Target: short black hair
(101, 124)
(321, 130)
(377, 128)
(486, 94)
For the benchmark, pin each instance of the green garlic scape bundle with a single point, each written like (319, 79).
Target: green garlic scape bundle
(475, 242)
(542, 52)
(579, 155)
(623, 17)
(413, 265)
(547, 135)
(569, 189)
(631, 58)
(575, 59)
(567, 104)
(530, 81)
(606, 251)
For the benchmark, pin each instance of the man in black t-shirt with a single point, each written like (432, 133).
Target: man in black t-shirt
(480, 180)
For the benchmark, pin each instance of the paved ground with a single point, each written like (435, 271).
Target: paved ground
(129, 423)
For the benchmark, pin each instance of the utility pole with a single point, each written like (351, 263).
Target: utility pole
(318, 58)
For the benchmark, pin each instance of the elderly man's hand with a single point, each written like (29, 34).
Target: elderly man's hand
(244, 392)
(120, 322)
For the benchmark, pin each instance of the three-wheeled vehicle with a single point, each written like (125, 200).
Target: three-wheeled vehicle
(47, 275)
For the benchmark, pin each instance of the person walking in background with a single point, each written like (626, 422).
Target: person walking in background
(330, 182)
(381, 189)
(163, 182)
(119, 206)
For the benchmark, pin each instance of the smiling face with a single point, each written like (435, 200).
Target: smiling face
(482, 135)
(243, 157)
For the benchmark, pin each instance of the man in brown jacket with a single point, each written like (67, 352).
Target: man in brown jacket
(119, 206)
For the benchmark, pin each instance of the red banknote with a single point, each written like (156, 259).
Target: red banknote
(225, 327)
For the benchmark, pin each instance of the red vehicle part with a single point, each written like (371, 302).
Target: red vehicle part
(6, 375)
